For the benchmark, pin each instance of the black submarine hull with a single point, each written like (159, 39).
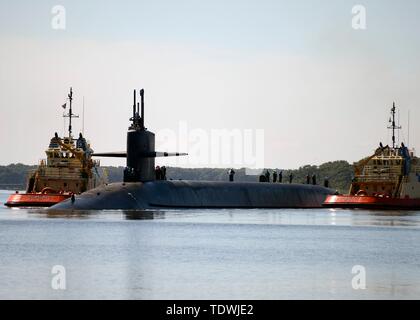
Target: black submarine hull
(197, 194)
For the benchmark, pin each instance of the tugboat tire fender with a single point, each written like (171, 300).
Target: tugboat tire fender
(361, 193)
(47, 190)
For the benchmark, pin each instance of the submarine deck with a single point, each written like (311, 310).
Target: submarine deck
(198, 194)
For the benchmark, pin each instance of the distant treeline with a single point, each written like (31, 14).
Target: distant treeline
(339, 174)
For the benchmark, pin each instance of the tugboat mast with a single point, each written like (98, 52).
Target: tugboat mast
(70, 115)
(393, 125)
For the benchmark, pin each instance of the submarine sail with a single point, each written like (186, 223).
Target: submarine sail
(140, 152)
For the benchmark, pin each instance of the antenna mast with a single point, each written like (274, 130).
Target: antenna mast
(70, 110)
(142, 109)
(408, 142)
(70, 115)
(83, 116)
(393, 125)
(138, 112)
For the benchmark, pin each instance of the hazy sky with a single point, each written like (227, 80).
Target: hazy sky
(319, 89)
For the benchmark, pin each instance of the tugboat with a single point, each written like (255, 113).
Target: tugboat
(68, 170)
(389, 179)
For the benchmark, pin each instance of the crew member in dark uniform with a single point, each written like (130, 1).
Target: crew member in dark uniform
(163, 172)
(267, 175)
(308, 179)
(275, 176)
(291, 178)
(231, 175)
(81, 142)
(158, 173)
(281, 176)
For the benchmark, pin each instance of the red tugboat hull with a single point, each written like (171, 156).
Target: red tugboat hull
(35, 199)
(371, 202)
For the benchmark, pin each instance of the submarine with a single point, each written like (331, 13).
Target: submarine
(141, 190)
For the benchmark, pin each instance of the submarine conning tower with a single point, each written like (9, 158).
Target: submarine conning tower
(140, 152)
(140, 147)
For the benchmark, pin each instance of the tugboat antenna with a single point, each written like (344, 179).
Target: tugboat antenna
(83, 116)
(408, 124)
(398, 133)
(70, 115)
(393, 125)
(70, 110)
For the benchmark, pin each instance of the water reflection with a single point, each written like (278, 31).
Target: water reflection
(89, 214)
(143, 214)
(385, 218)
(67, 214)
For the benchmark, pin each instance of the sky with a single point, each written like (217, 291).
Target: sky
(306, 85)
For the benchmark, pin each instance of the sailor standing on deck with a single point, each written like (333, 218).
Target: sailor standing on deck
(231, 175)
(267, 175)
(281, 176)
(275, 176)
(81, 142)
(158, 173)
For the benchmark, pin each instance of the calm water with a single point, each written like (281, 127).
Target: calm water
(209, 254)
